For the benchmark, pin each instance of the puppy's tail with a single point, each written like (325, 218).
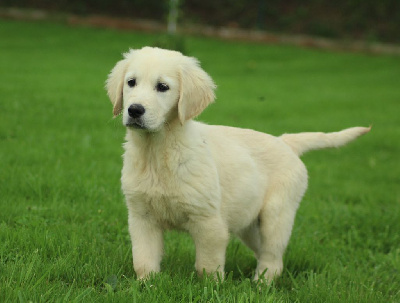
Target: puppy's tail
(303, 142)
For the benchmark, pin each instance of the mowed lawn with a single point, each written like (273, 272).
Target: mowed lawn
(63, 222)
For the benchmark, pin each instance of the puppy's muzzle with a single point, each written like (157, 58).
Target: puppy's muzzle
(135, 112)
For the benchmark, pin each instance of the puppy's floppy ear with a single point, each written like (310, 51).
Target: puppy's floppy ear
(196, 89)
(115, 84)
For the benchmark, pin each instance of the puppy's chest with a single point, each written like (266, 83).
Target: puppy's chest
(167, 205)
(171, 184)
(170, 195)
(168, 211)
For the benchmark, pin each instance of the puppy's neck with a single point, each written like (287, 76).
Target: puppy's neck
(161, 151)
(171, 134)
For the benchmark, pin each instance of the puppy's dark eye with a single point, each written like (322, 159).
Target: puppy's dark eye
(132, 82)
(162, 87)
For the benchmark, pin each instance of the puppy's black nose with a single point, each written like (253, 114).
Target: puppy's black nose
(136, 110)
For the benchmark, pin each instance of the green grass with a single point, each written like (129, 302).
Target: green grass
(63, 222)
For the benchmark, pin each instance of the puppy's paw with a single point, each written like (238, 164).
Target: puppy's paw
(268, 272)
(218, 275)
(143, 273)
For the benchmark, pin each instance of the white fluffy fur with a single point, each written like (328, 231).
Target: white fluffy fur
(207, 180)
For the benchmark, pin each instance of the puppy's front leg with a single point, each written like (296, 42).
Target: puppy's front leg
(147, 245)
(211, 237)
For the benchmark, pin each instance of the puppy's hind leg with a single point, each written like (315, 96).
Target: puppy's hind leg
(276, 222)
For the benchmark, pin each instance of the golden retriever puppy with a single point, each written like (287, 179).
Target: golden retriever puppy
(207, 180)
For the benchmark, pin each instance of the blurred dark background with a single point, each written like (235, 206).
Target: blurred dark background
(368, 20)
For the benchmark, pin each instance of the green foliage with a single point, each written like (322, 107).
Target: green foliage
(346, 19)
(337, 19)
(128, 8)
(172, 42)
(63, 222)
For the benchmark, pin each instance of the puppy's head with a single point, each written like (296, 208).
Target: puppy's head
(152, 86)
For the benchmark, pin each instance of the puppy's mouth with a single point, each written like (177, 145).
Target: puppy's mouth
(135, 123)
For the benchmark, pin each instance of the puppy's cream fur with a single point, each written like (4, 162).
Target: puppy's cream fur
(207, 180)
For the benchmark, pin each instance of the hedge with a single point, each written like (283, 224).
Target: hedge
(346, 19)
